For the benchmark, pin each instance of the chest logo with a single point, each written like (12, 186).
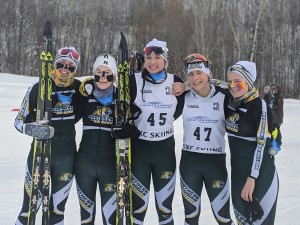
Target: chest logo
(216, 106)
(168, 90)
(102, 116)
(231, 122)
(62, 109)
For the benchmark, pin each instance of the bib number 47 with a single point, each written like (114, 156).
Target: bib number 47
(207, 130)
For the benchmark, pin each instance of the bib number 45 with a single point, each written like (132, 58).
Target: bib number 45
(161, 120)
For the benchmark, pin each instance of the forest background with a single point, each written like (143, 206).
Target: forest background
(226, 31)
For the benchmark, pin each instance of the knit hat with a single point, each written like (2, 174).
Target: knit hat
(67, 53)
(158, 47)
(106, 59)
(246, 69)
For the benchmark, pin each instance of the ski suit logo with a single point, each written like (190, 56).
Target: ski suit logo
(65, 177)
(167, 175)
(217, 184)
(109, 188)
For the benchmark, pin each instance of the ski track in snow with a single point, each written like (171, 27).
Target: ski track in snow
(15, 147)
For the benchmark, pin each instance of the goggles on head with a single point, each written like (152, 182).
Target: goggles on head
(69, 52)
(196, 58)
(61, 65)
(155, 49)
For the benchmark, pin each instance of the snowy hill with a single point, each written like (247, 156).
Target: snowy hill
(15, 147)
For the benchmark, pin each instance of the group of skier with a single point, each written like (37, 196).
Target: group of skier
(209, 108)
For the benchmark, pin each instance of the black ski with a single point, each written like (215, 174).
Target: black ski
(40, 184)
(123, 146)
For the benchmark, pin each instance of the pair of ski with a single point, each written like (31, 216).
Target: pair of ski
(40, 179)
(123, 146)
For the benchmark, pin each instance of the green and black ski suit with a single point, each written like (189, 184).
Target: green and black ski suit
(248, 129)
(96, 159)
(63, 147)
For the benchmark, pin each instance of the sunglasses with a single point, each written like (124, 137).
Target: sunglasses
(155, 49)
(69, 53)
(61, 65)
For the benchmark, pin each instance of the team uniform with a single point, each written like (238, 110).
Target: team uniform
(153, 153)
(248, 129)
(96, 159)
(203, 154)
(63, 147)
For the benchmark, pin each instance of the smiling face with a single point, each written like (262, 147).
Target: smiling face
(199, 81)
(154, 63)
(104, 77)
(238, 86)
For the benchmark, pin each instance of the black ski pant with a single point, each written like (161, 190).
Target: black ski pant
(62, 170)
(96, 166)
(156, 158)
(266, 185)
(197, 169)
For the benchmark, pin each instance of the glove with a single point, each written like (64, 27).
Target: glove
(125, 131)
(135, 112)
(254, 211)
(38, 130)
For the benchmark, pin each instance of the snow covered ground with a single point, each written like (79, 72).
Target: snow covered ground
(15, 147)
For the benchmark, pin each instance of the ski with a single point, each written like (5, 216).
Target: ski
(275, 147)
(40, 183)
(123, 146)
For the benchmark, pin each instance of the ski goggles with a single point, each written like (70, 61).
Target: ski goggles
(155, 49)
(195, 58)
(61, 65)
(69, 52)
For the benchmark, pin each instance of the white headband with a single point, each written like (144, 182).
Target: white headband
(198, 66)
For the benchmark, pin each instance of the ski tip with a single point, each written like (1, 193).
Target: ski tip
(47, 33)
(123, 42)
(15, 110)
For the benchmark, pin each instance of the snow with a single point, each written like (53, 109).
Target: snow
(15, 147)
